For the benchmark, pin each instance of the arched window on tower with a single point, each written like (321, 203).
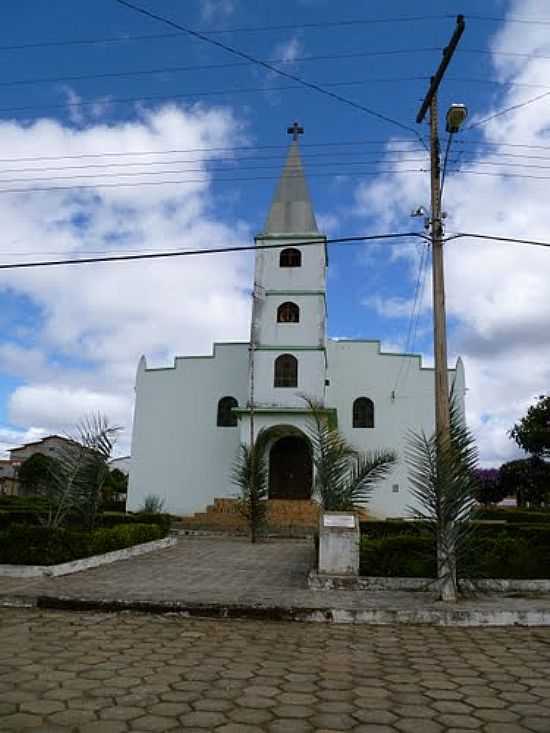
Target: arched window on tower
(363, 413)
(288, 313)
(286, 371)
(226, 418)
(290, 257)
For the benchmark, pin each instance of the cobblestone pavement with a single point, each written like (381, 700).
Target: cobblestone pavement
(62, 671)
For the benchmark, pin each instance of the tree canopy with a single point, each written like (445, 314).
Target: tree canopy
(532, 432)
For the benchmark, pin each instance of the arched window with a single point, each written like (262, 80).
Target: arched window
(288, 313)
(363, 413)
(286, 371)
(290, 258)
(226, 417)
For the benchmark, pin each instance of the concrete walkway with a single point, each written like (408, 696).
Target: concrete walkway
(230, 577)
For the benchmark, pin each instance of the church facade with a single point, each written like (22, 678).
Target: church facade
(191, 417)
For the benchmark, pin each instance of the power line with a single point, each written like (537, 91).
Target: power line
(496, 238)
(308, 157)
(241, 54)
(250, 29)
(207, 67)
(242, 148)
(504, 111)
(209, 93)
(356, 174)
(215, 250)
(510, 19)
(133, 174)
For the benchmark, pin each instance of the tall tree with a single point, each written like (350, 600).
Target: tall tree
(532, 432)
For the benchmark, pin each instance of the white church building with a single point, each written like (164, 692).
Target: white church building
(191, 417)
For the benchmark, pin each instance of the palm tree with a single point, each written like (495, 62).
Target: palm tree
(443, 476)
(250, 475)
(344, 477)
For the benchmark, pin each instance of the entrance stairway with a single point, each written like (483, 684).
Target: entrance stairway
(290, 518)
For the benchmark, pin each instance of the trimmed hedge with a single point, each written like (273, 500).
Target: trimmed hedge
(31, 516)
(495, 552)
(31, 545)
(516, 516)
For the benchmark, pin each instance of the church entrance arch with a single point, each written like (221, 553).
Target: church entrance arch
(290, 468)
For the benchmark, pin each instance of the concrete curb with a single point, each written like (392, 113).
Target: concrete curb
(322, 582)
(85, 563)
(439, 614)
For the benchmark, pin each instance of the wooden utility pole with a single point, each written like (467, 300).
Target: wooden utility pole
(442, 421)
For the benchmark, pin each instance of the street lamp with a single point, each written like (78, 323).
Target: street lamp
(456, 116)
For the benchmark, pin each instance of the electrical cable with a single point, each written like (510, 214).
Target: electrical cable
(445, 162)
(355, 174)
(501, 112)
(236, 52)
(210, 93)
(134, 174)
(214, 250)
(496, 238)
(207, 67)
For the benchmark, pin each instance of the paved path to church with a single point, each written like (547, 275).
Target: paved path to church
(105, 673)
(230, 572)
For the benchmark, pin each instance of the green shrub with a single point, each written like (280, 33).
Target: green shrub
(163, 520)
(516, 516)
(404, 556)
(32, 545)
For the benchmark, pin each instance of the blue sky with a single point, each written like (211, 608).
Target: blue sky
(71, 338)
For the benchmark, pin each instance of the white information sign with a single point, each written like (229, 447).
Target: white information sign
(339, 520)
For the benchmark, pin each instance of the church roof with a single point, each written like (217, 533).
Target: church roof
(291, 210)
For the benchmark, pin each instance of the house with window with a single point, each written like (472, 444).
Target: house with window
(191, 417)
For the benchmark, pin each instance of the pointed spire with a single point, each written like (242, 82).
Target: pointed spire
(291, 210)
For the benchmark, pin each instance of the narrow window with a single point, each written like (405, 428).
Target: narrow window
(288, 313)
(226, 417)
(363, 413)
(290, 258)
(286, 371)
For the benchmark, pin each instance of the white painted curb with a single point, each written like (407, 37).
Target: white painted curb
(84, 563)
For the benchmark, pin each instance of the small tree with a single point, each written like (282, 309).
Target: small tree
(527, 479)
(344, 477)
(80, 472)
(250, 475)
(489, 486)
(35, 474)
(443, 477)
(152, 504)
(532, 432)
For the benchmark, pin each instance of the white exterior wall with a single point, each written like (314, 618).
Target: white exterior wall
(310, 328)
(358, 369)
(311, 377)
(178, 453)
(310, 276)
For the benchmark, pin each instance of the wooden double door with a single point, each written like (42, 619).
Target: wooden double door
(290, 468)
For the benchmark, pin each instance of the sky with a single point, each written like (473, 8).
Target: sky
(118, 134)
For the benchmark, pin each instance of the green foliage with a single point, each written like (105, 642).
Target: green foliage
(489, 486)
(152, 504)
(249, 474)
(443, 478)
(404, 556)
(494, 552)
(516, 516)
(528, 480)
(163, 520)
(35, 474)
(32, 545)
(532, 432)
(344, 477)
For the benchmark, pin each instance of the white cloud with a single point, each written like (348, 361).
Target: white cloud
(214, 9)
(91, 323)
(288, 51)
(497, 293)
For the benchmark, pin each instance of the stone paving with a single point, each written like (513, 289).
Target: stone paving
(225, 572)
(105, 673)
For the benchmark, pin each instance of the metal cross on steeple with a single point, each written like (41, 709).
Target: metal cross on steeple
(295, 130)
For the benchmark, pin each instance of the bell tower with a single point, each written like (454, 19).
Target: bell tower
(288, 332)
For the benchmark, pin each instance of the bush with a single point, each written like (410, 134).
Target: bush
(404, 556)
(489, 487)
(31, 545)
(519, 516)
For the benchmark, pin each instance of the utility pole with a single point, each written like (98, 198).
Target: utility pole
(442, 418)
